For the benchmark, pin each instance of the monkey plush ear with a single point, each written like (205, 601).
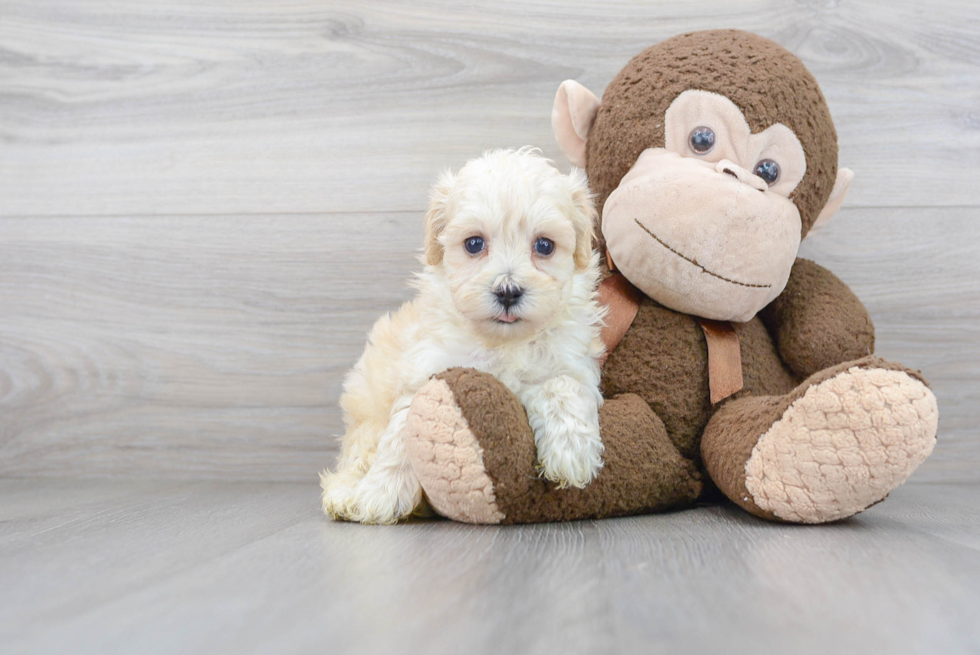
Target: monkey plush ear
(841, 185)
(437, 217)
(571, 119)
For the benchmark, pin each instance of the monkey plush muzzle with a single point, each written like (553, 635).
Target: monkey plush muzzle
(699, 239)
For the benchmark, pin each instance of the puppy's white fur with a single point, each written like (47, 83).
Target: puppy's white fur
(545, 348)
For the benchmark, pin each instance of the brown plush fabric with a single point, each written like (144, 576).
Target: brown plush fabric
(762, 370)
(767, 82)
(664, 359)
(498, 421)
(817, 321)
(728, 442)
(736, 427)
(643, 471)
(658, 421)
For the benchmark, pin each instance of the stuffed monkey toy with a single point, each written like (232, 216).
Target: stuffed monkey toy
(731, 364)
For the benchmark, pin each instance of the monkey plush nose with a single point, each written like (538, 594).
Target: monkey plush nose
(728, 167)
(508, 295)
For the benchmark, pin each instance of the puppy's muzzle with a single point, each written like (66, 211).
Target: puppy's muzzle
(508, 294)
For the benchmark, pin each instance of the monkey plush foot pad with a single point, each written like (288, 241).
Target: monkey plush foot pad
(843, 446)
(448, 458)
(473, 452)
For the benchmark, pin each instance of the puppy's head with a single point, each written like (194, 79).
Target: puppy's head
(512, 237)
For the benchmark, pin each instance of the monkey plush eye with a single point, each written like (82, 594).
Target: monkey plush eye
(544, 247)
(474, 245)
(768, 170)
(701, 140)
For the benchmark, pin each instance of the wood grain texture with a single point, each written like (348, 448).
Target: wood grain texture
(126, 567)
(189, 346)
(111, 108)
(918, 272)
(215, 347)
(204, 206)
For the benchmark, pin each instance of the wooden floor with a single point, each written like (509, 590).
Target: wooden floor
(225, 567)
(204, 206)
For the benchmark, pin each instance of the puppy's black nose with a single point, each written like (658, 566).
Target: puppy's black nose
(509, 295)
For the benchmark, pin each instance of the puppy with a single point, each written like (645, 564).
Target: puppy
(509, 288)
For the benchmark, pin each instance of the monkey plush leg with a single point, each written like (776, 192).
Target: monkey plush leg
(837, 444)
(472, 449)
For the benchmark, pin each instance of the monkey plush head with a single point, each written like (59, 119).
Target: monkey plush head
(712, 155)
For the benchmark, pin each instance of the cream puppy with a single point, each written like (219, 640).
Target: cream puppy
(509, 288)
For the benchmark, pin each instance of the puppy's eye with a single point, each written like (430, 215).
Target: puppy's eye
(474, 245)
(768, 170)
(702, 140)
(544, 247)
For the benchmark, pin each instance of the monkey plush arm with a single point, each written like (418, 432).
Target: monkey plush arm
(817, 321)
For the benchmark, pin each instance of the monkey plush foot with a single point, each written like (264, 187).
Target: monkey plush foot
(473, 451)
(836, 445)
(447, 454)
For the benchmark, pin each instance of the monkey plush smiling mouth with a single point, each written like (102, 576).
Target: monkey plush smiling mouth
(705, 223)
(711, 155)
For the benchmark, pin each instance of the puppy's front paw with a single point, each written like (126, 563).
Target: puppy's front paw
(339, 494)
(564, 415)
(381, 498)
(572, 459)
(387, 501)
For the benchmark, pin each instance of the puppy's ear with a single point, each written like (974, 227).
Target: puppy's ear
(583, 216)
(437, 217)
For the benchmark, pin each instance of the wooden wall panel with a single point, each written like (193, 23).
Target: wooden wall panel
(215, 347)
(204, 206)
(111, 107)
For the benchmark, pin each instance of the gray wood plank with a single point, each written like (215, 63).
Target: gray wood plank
(111, 108)
(111, 540)
(212, 347)
(918, 272)
(204, 206)
(246, 567)
(185, 347)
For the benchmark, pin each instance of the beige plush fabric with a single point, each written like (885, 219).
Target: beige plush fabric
(571, 119)
(767, 82)
(697, 241)
(843, 445)
(444, 452)
(735, 141)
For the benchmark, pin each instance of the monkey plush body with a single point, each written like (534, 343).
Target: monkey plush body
(732, 363)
